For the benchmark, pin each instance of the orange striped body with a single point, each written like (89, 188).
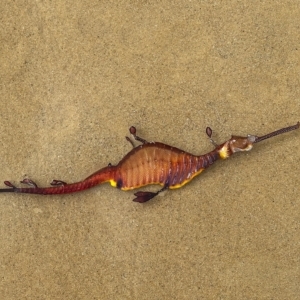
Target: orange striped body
(157, 163)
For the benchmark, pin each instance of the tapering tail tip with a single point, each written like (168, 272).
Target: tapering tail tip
(11, 188)
(6, 191)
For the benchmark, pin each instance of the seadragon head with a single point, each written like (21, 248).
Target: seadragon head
(239, 143)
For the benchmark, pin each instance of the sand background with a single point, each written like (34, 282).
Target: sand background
(76, 74)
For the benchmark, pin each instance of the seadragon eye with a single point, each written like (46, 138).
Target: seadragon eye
(251, 138)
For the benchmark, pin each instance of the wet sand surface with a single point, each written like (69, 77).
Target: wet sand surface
(76, 75)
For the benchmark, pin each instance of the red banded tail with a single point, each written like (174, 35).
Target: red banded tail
(59, 187)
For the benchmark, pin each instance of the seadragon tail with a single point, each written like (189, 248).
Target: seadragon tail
(59, 187)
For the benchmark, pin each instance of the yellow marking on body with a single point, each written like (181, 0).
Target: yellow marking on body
(113, 183)
(224, 152)
(179, 185)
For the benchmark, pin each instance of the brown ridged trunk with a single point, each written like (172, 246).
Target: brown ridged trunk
(157, 163)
